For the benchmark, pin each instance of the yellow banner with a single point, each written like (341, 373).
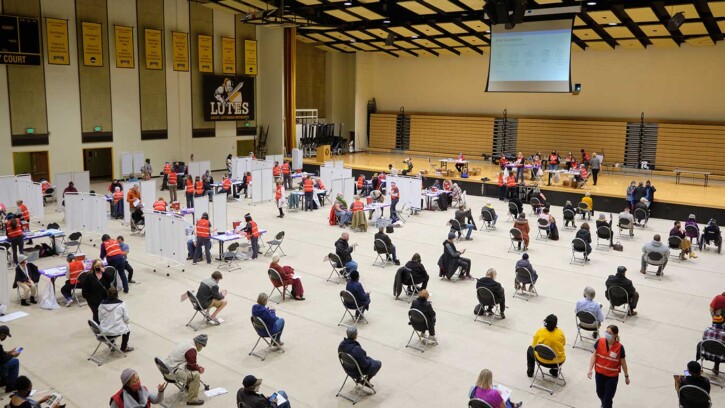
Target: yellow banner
(154, 49)
(124, 47)
(57, 41)
(229, 59)
(92, 44)
(180, 45)
(250, 57)
(206, 53)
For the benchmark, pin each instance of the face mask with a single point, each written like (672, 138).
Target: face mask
(135, 386)
(608, 336)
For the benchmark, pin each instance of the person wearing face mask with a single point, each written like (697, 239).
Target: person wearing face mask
(95, 286)
(607, 361)
(183, 362)
(133, 394)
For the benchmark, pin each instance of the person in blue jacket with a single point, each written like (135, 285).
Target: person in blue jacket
(355, 287)
(349, 345)
(275, 324)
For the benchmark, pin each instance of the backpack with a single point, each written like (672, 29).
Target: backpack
(46, 250)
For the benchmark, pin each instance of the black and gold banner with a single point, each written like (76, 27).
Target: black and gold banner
(57, 41)
(206, 53)
(250, 57)
(154, 49)
(92, 44)
(125, 57)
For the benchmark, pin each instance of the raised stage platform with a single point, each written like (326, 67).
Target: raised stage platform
(672, 201)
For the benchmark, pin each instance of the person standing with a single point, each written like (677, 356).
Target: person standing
(126, 249)
(394, 199)
(279, 197)
(520, 163)
(608, 360)
(14, 231)
(630, 195)
(189, 192)
(165, 181)
(252, 231)
(172, 185)
(553, 163)
(203, 239)
(112, 253)
(146, 170)
(286, 175)
(501, 187)
(596, 165)
(95, 286)
(309, 189)
(649, 193)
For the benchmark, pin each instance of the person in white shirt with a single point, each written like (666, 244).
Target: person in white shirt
(114, 319)
(627, 215)
(393, 171)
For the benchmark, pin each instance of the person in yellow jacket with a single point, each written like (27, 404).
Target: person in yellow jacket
(551, 336)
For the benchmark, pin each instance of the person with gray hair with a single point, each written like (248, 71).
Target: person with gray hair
(133, 394)
(274, 324)
(489, 282)
(182, 361)
(349, 345)
(287, 273)
(587, 304)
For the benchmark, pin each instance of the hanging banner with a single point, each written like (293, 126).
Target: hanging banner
(229, 60)
(228, 97)
(206, 53)
(250, 57)
(57, 41)
(154, 49)
(180, 45)
(125, 57)
(19, 40)
(92, 44)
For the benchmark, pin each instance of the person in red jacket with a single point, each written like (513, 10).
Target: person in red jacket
(73, 271)
(160, 205)
(189, 192)
(117, 206)
(133, 394)
(203, 239)
(286, 175)
(24, 213)
(502, 162)
(394, 199)
(14, 231)
(501, 187)
(276, 170)
(279, 197)
(172, 185)
(511, 185)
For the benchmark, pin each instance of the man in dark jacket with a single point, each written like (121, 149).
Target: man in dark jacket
(358, 292)
(489, 282)
(349, 345)
(620, 280)
(422, 304)
(465, 220)
(585, 235)
(344, 250)
(9, 361)
(452, 259)
(251, 399)
(210, 296)
(381, 235)
(639, 192)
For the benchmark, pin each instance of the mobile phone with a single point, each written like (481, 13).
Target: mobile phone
(19, 350)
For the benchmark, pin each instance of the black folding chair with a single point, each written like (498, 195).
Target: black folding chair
(455, 228)
(513, 211)
(103, 339)
(414, 289)
(654, 259)
(618, 297)
(691, 396)
(544, 352)
(641, 216)
(275, 244)
(278, 283)
(487, 219)
(624, 224)
(170, 377)
(197, 309)
(523, 274)
(604, 233)
(691, 230)
(578, 246)
(478, 403)
(74, 241)
(352, 370)
(587, 322)
(517, 239)
(338, 268)
(714, 348)
(382, 253)
(264, 334)
(486, 300)
(569, 215)
(350, 303)
(543, 229)
(419, 322)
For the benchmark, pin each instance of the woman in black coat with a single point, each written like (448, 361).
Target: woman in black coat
(586, 236)
(420, 275)
(95, 286)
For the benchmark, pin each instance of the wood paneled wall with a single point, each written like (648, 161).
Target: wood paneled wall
(472, 135)
(696, 147)
(382, 130)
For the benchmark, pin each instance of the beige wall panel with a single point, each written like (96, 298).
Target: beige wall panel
(201, 21)
(152, 83)
(95, 82)
(311, 76)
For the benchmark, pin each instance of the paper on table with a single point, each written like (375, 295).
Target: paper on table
(505, 392)
(215, 392)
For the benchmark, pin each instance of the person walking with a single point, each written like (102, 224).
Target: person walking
(596, 165)
(608, 360)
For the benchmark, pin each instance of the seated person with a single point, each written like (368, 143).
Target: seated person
(465, 220)
(582, 176)
(226, 185)
(417, 269)
(408, 166)
(519, 205)
(570, 207)
(26, 278)
(522, 224)
(621, 280)
(138, 217)
(523, 280)
(340, 208)
(602, 222)
(542, 200)
(381, 235)
(160, 205)
(685, 244)
(287, 275)
(451, 260)
(585, 235)
(447, 185)
(489, 282)
(274, 324)
(589, 305)
(190, 247)
(693, 377)
(717, 305)
(711, 234)
(626, 215)
(422, 304)
(589, 211)
(344, 250)
(185, 367)
(117, 203)
(358, 215)
(484, 391)
(655, 245)
(456, 192)
(133, 394)
(377, 197)
(551, 336)
(210, 296)
(553, 233)
(489, 207)
(21, 398)
(692, 222)
(714, 332)
(249, 396)
(643, 205)
(356, 288)
(207, 182)
(349, 345)
(73, 271)
(113, 316)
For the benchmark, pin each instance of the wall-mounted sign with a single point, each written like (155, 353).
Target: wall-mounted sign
(206, 53)
(125, 57)
(154, 49)
(19, 40)
(57, 41)
(180, 55)
(228, 97)
(92, 44)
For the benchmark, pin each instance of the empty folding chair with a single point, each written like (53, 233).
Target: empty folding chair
(569, 215)
(361, 381)
(587, 322)
(278, 283)
(657, 260)
(109, 342)
(641, 216)
(263, 332)
(338, 268)
(584, 210)
(544, 352)
(74, 241)
(487, 300)
(197, 309)
(350, 303)
(604, 237)
(525, 275)
(578, 246)
(170, 377)
(478, 403)
(624, 224)
(618, 297)
(275, 244)
(543, 229)
(513, 211)
(711, 350)
(692, 396)
(487, 219)
(382, 254)
(455, 227)
(419, 322)
(517, 240)
(229, 259)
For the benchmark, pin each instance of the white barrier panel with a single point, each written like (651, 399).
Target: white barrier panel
(138, 162)
(201, 206)
(126, 163)
(193, 168)
(219, 212)
(348, 190)
(267, 184)
(337, 186)
(165, 236)
(256, 186)
(7, 190)
(296, 159)
(239, 167)
(199, 168)
(32, 196)
(86, 212)
(329, 173)
(4, 272)
(148, 193)
(271, 158)
(409, 188)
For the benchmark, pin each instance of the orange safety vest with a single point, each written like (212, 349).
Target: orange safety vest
(117, 196)
(203, 228)
(255, 231)
(608, 361)
(394, 193)
(278, 192)
(360, 181)
(275, 171)
(321, 186)
(285, 168)
(357, 206)
(227, 184)
(309, 186)
(511, 181)
(502, 162)
(75, 268)
(167, 169)
(199, 188)
(24, 210)
(160, 206)
(500, 180)
(14, 232)
(249, 179)
(189, 186)
(552, 159)
(446, 185)
(583, 173)
(112, 248)
(172, 178)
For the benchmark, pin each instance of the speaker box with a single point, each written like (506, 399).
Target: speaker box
(390, 40)
(676, 21)
(519, 11)
(497, 11)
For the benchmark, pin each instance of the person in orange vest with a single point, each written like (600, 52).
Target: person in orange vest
(189, 192)
(501, 187)
(607, 361)
(131, 197)
(167, 171)
(226, 185)
(73, 271)
(585, 158)
(511, 185)
(14, 231)
(247, 184)
(360, 184)
(23, 210)
(502, 162)
(582, 173)
(309, 188)
(160, 205)
(198, 187)
(286, 175)
(553, 163)
(276, 170)
(172, 186)
(447, 185)
(203, 239)
(279, 197)
(111, 251)
(252, 234)
(117, 207)
(394, 199)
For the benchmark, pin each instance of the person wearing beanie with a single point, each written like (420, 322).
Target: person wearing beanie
(608, 360)
(274, 324)
(524, 280)
(26, 278)
(655, 245)
(248, 395)
(356, 288)
(551, 336)
(350, 345)
(452, 260)
(621, 280)
(183, 362)
(134, 395)
(424, 306)
(693, 377)
(714, 332)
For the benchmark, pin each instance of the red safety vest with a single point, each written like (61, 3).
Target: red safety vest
(585, 157)
(446, 185)
(112, 248)
(167, 169)
(278, 192)
(360, 181)
(583, 173)
(227, 184)
(75, 268)
(199, 188)
(160, 206)
(321, 186)
(254, 232)
(285, 168)
(511, 181)
(309, 186)
(117, 196)
(357, 206)
(502, 162)
(500, 180)
(118, 399)
(24, 210)
(189, 186)
(552, 159)
(394, 193)
(608, 361)
(172, 178)
(14, 232)
(275, 171)
(203, 228)
(249, 179)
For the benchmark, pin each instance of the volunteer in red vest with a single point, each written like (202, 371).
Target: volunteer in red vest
(502, 162)
(607, 361)
(286, 175)
(447, 185)
(394, 199)
(279, 197)
(276, 170)
(309, 188)
(203, 239)
(167, 170)
(25, 214)
(14, 231)
(172, 185)
(135, 395)
(501, 187)
(585, 158)
(112, 253)
(360, 184)
(198, 187)
(227, 185)
(189, 192)
(117, 208)
(252, 234)
(511, 185)
(322, 193)
(160, 204)
(73, 271)
(582, 173)
(459, 162)
(132, 196)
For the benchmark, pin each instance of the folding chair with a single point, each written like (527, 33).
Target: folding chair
(197, 309)
(487, 219)
(545, 352)
(275, 244)
(674, 243)
(352, 370)
(569, 215)
(74, 240)
(543, 229)
(513, 212)
(714, 348)
(401, 212)
(348, 299)
(263, 332)
(229, 258)
(277, 282)
(170, 377)
(517, 239)
(455, 227)
(535, 206)
(478, 403)
(340, 271)
(76, 288)
(487, 299)
(618, 297)
(640, 214)
(624, 224)
(691, 396)
(583, 183)
(413, 293)
(587, 322)
(525, 273)
(654, 259)
(584, 210)
(604, 234)
(419, 322)
(137, 228)
(578, 246)
(382, 254)
(109, 342)
(692, 230)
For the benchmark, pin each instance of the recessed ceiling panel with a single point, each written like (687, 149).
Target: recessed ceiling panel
(338, 35)
(363, 46)
(402, 31)
(700, 42)
(474, 5)
(320, 37)
(688, 9)
(365, 13)
(654, 30)
(619, 32)
(452, 28)
(603, 17)
(342, 15)
(477, 25)
(663, 42)
(599, 46)
(427, 30)
(587, 34)
(473, 40)
(416, 7)
(378, 32)
(444, 5)
(693, 29)
(360, 35)
(630, 44)
(449, 42)
(642, 15)
(717, 8)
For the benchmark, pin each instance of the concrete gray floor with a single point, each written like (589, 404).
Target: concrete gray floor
(659, 342)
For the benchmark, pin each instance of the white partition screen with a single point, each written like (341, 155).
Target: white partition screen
(337, 186)
(165, 236)
(219, 212)
(201, 206)
(126, 212)
(409, 188)
(138, 162)
(32, 196)
(126, 163)
(148, 192)
(86, 212)
(297, 159)
(4, 272)
(7, 190)
(348, 190)
(267, 185)
(204, 166)
(257, 186)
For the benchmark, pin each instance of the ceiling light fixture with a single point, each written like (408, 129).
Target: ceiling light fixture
(348, 3)
(592, 3)
(612, 24)
(386, 21)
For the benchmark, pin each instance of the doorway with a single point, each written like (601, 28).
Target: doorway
(34, 163)
(98, 162)
(244, 147)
